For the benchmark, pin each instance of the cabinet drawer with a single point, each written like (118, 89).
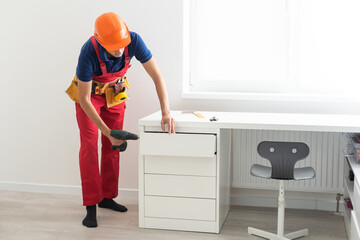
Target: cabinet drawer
(355, 230)
(356, 200)
(180, 208)
(195, 166)
(190, 145)
(180, 186)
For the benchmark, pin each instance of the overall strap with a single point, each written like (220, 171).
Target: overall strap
(127, 57)
(127, 62)
(96, 47)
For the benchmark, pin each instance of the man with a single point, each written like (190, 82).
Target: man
(103, 62)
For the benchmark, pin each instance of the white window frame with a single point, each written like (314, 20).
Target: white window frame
(247, 96)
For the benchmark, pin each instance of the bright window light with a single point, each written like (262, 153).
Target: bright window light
(274, 46)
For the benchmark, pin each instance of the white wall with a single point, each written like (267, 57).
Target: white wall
(40, 43)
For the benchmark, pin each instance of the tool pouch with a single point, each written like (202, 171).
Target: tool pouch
(117, 93)
(73, 90)
(112, 99)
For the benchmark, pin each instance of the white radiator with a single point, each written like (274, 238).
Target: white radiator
(325, 157)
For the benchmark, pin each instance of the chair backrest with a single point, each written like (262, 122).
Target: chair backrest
(283, 157)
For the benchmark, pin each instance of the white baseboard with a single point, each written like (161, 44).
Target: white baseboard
(296, 200)
(57, 189)
(239, 197)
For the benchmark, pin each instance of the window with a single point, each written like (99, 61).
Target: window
(272, 46)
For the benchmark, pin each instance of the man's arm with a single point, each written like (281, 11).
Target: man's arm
(154, 72)
(86, 105)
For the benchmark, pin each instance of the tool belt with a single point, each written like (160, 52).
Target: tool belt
(115, 93)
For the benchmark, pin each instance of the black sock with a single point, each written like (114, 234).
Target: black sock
(90, 219)
(111, 204)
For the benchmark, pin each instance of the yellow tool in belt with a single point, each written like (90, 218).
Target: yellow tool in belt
(120, 90)
(115, 93)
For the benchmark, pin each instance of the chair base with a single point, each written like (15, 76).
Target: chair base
(273, 236)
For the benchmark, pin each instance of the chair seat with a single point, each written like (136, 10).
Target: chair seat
(299, 173)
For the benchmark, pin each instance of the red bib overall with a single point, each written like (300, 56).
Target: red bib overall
(96, 185)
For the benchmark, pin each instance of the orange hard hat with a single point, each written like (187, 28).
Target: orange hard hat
(111, 32)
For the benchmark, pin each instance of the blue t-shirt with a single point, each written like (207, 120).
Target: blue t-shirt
(88, 63)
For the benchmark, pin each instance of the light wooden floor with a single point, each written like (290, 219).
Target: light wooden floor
(28, 216)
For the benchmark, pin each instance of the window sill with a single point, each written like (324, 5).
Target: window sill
(276, 97)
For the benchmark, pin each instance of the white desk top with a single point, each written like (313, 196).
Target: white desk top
(263, 121)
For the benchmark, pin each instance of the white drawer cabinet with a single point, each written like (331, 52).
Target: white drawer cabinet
(194, 166)
(356, 201)
(180, 208)
(355, 230)
(192, 145)
(355, 216)
(179, 187)
(352, 191)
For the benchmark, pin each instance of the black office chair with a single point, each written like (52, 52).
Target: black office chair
(283, 157)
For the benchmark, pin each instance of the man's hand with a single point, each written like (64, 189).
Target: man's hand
(121, 135)
(116, 141)
(167, 119)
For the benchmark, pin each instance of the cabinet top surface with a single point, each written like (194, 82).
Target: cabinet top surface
(262, 121)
